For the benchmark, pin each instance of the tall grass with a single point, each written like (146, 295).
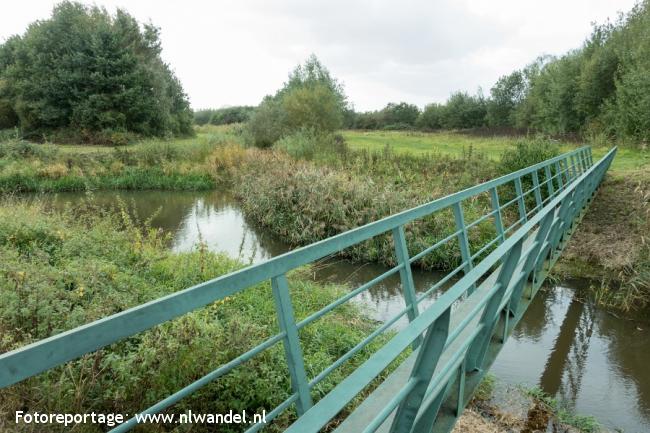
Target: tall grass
(30, 167)
(62, 270)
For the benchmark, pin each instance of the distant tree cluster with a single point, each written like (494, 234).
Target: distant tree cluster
(460, 111)
(223, 116)
(311, 99)
(87, 75)
(601, 88)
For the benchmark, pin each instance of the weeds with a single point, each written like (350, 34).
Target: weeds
(563, 413)
(62, 270)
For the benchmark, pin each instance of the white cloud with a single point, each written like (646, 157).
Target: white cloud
(234, 52)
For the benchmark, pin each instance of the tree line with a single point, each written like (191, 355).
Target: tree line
(601, 88)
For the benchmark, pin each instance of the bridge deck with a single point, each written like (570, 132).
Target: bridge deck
(448, 405)
(447, 365)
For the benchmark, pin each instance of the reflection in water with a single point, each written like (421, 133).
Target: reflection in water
(384, 300)
(569, 351)
(594, 360)
(591, 359)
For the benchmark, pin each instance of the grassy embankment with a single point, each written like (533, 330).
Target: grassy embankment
(61, 270)
(180, 164)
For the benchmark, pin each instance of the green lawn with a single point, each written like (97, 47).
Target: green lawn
(451, 143)
(447, 143)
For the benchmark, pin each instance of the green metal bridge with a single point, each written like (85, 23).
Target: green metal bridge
(454, 341)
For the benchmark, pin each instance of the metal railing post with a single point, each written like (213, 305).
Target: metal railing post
(405, 273)
(520, 200)
(558, 176)
(549, 181)
(537, 192)
(496, 207)
(463, 241)
(477, 349)
(423, 369)
(292, 349)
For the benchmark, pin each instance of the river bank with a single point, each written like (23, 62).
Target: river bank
(570, 348)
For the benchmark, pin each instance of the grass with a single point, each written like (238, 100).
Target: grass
(563, 413)
(62, 270)
(439, 143)
(610, 247)
(182, 164)
(309, 188)
(457, 144)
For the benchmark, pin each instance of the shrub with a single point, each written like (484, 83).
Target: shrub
(136, 92)
(310, 99)
(527, 153)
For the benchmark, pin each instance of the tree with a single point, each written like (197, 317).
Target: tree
(311, 99)
(400, 116)
(506, 95)
(86, 71)
(464, 111)
(431, 117)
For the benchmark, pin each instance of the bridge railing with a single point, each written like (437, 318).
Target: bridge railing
(550, 181)
(414, 403)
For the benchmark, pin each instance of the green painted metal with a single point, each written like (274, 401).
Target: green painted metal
(406, 276)
(496, 207)
(456, 346)
(463, 242)
(292, 349)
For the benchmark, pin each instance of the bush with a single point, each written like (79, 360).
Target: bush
(267, 125)
(527, 153)
(311, 99)
(308, 144)
(430, 118)
(19, 149)
(50, 78)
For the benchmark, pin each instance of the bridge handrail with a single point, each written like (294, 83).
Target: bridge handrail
(330, 405)
(37, 357)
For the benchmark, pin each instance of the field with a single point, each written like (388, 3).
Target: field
(458, 144)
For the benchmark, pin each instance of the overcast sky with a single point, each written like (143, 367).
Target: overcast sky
(235, 52)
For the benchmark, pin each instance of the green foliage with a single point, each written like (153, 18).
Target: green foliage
(312, 107)
(527, 153)
(310, 99)
(86, 71)
(268, 124)
(431, 117)
(59, 271)
(563, 412)
(506, 95)
(485, 388)
(307, 201)
(463, 110)
(601, 88)
(152, 164)
(223, 116)
(309, 144)
(400, 116)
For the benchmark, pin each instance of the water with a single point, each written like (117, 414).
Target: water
(596, 361)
